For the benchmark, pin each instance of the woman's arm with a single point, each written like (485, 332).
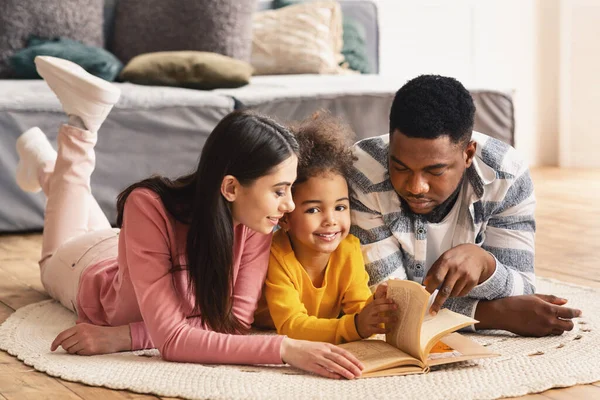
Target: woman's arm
(94, 339)
(251, 275)
(89, 339)
(320, 358)
(148, 256)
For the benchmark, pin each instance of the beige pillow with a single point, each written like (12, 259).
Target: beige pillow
(305, 38)
(192, 69)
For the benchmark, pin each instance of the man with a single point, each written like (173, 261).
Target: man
(452, 209)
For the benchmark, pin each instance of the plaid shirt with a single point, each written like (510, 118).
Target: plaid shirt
(497, 214)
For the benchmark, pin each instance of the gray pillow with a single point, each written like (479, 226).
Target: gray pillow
(217, 26)
(79, 20)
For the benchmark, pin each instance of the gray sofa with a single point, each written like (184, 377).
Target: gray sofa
(161, 130)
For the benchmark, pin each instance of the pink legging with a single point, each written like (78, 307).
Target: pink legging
(76, 231)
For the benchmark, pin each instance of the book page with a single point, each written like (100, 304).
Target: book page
(444, 322)
(406, 370)
(377, 355)
(412, 299)
(441, 351)
(462, 349)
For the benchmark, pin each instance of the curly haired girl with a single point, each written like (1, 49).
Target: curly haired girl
(317, 286)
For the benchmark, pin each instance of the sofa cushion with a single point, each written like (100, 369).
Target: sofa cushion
(75, 19)
(95, 60)
(192, 69)
(354, 47)
(218, 26)
(304, 38)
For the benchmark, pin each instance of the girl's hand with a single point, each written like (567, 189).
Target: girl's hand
(368, 321)
(88, 339)
(324, 359)
(381, 291)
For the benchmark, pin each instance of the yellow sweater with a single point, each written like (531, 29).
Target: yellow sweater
(301, 311)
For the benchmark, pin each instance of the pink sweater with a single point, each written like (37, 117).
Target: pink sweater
(146, 288)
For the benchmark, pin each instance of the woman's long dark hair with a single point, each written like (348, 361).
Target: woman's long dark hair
(247, 146)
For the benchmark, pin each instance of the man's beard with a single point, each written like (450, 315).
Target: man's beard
(440, 211)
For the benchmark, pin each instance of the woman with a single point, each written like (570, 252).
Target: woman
(185, 271)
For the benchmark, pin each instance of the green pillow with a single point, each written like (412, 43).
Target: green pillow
(354, 37)
(95, 60)
(191, 69)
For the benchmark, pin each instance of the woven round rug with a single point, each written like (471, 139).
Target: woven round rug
(526, 365)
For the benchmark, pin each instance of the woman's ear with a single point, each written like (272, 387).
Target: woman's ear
(230, 188)
(284, 223)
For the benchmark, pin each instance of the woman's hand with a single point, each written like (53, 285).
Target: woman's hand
(89, 340)
(324, 359)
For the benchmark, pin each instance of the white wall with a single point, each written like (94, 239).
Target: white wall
(579, 83)
(498, 44)
(547, 81)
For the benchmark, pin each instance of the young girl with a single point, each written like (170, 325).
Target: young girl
(185, 270)
(316, 270)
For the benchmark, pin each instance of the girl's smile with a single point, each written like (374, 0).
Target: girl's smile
(321, 219)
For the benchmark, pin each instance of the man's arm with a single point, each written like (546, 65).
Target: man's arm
(504, 264)
(510, 238)
(527, 315)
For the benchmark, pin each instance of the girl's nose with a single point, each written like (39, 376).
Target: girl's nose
(329, 219)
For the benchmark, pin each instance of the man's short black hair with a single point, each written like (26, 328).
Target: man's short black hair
(430, 106)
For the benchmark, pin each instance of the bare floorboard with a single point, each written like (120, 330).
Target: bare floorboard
(567, 244)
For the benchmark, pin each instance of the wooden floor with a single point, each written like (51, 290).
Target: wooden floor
(568, 244)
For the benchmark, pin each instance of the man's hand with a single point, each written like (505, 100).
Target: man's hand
(88, 339)
(457, 272)
(529, 315)
(368, 321)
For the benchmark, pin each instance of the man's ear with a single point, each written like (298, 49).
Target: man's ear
(230, 188)
(284, 223)
(470, 151)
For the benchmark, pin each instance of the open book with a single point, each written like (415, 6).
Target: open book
(418, 340)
